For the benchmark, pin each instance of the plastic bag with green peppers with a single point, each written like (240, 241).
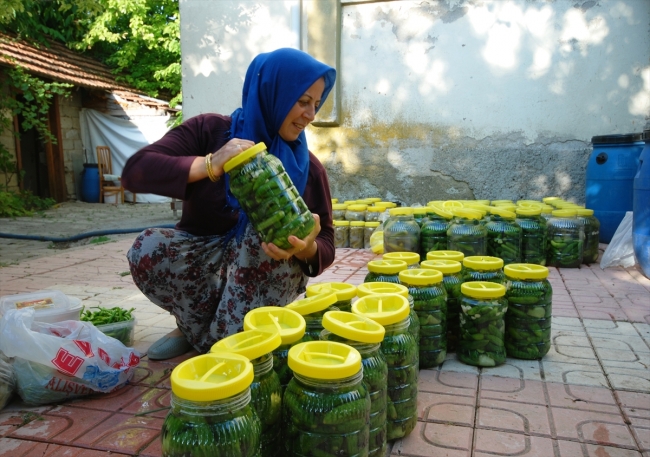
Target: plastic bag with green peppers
(106, 316)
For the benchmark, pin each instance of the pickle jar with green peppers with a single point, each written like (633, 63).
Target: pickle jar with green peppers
(482, 324)
(326, 406)
(312, 309)
(268, 197)
(433, 231)
(368, 230)
(446, 255)
(365, 335)
(341, 234)
(210, 410)
(592, 235)
(483, 268)
(451, 279)
(504, 236)
(356, 212)
(338, 211)
(547, 212)
(288, 323)
(419, 214)
(401, 353)
(401, 231)
(466, 233)
(528, 319)
(373, 213)
(384, 270)
(412, 259)
(533, 234)
(266, 391)
(357, 229)
(344, 293)
(566, 236)
(430, 303)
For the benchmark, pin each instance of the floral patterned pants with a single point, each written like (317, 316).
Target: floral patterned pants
(209, 287)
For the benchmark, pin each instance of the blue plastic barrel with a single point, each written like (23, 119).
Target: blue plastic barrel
(641, 208)
(90, 183)
(610, 176)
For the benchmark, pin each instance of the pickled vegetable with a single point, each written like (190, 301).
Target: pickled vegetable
(592, 235)
(266, 399)
(341, 234)
(467, 234)
(433, 234)
(356, 235)
(401, 232)
(280, 365)
(482, 332)
(504, 239)
(534, 234)
(565, 240)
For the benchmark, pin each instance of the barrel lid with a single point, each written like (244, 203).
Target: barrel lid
(324, 360)
(249, 343)
(287, 322)
(385, 309)
(617, 139)
(409, 257)
(446, 267)
(245, 156)
(483, 262)
(353, 327)
(343, 290)
(449, 255)
(525, 271)
(482, 289)
(387, 266)
(376, 287)
(420, 276)
(212, 376)
(313, 304)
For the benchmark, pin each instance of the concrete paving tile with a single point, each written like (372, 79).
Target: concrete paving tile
(567, 323)
(452, 364)
(634, 404)
(592, 427)
(565, 311)
(25, 448)
(637, 315)
(599, 327)
(111, 402)
(122, 432)
(62, 425)
(150, 373)
(446, 409)
(431, 439)
(152, 403)
(623, 379)
(448, 382)
(587, 398)
(512, 389)
(154, 449)
(513, 417)
(619, 358)
(574, 373)
(516, 368)
(490, 443)
(641, 431)
(572, 448)
(612, 313)
(567, 349)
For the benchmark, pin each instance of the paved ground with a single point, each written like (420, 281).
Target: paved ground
(589, 397)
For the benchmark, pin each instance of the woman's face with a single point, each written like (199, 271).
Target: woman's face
(303, 112)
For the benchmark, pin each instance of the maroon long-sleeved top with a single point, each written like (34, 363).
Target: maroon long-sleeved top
(163, 168)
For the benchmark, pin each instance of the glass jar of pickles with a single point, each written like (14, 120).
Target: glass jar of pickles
(430, 303)
(503, 236)
(266, 391)
(566, 236)
(268, 197)
(446, 255)
(312, 309)
(433, 231)
(357, 229)
(466, 233)
(384, 270)
(344, 293)
(533, 234)
(210, 408)
(373, 213)
(483, 268)
(592, 235)
(528, 319)
(326, 406)
(419, 214)
(401, 231)
(482, 324)
(368, 230)
(356, 213)
(338, 211)
(412, 259)
(341, 234)
(401, 353)
(365, 335)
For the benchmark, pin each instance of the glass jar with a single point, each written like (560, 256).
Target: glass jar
(533, 235)
(368, 230)
(452, 280)
(482, 324)
(373, 213)
(356, 213)
(326, 406)
(547, 212)
(312, 309)
(341, 234)
(419, 214)
(344, 293)
(592, 235)
(430, 303)
(412, 259)
(483, 268)
(433, 232)
(504, 236)
(466, 233)
(365, 336)
(528, 319)
(338, 211)
(566, 236)
(384, 270)
(401, 353)
(446, 255)
(288, 323)
(357, 229)
(401, 231)
(501, 202)
(210, 408)
(268, 197)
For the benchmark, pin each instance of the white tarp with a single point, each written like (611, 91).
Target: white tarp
(124, 137)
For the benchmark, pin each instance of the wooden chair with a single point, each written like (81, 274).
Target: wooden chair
(106, 176)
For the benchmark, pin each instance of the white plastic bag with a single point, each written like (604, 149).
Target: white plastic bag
(620, 251)
(7, 381)
(59, 361)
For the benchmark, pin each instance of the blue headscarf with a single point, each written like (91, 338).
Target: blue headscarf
(274, 83)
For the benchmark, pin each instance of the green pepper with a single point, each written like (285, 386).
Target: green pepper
(484, 318)
(528, 319)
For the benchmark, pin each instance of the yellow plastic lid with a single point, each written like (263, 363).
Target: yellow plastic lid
(452, 204)
(212, 376)
(339, 206)
(420, 210)
(482, 289)
(341, 223)
(440, 212)
(289, 323)
(386, 204)
(564, 213)
(249, 343)
(375, 288)
(350, 202)
(343, 290)
(497, 202)
(373, 199)
(504, 213)
(324, 360)
(484, 202)
(446, 255)
(483, 262)
(390, 267)
(529, 202)
(476, 205)
(364, 201)
(437, 203)
(547, 209)
(409, 257)
(357, 224)
(353, 327)
(375, 209)
(550, 199)
(420, 276)
(335, 200)
(401, 211)
(525, 271)
(357, 207)
(315, 303)
(584, 212)
(446, 267)
(372, 224)
(244, 157)
(529, 210)
(506, 206)
(385, 309)
(467, 213)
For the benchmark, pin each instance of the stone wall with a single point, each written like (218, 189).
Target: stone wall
(73, 152)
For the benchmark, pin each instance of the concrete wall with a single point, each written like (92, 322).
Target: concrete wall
(73, 153)
(442, 99)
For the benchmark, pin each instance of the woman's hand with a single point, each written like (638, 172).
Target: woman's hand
(303, 250)
(234, 147)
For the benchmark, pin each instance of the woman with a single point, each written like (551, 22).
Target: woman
(213, 268)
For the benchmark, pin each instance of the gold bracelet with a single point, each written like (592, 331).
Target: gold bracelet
(208, 167)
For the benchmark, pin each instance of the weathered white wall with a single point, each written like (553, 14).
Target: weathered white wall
(446, 99)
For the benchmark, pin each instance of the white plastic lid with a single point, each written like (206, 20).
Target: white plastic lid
(47, 304)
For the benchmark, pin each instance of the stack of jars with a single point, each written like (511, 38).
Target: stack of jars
(401, 231)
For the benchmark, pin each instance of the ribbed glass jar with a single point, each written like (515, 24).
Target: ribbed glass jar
(341, 234)
(401, 231)
(592, 235)
(483, 268)
(566, 236)
(357, 229)
(504, 236)
(433, 231)
(266, 398)
(533, 235)
(466, 233)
